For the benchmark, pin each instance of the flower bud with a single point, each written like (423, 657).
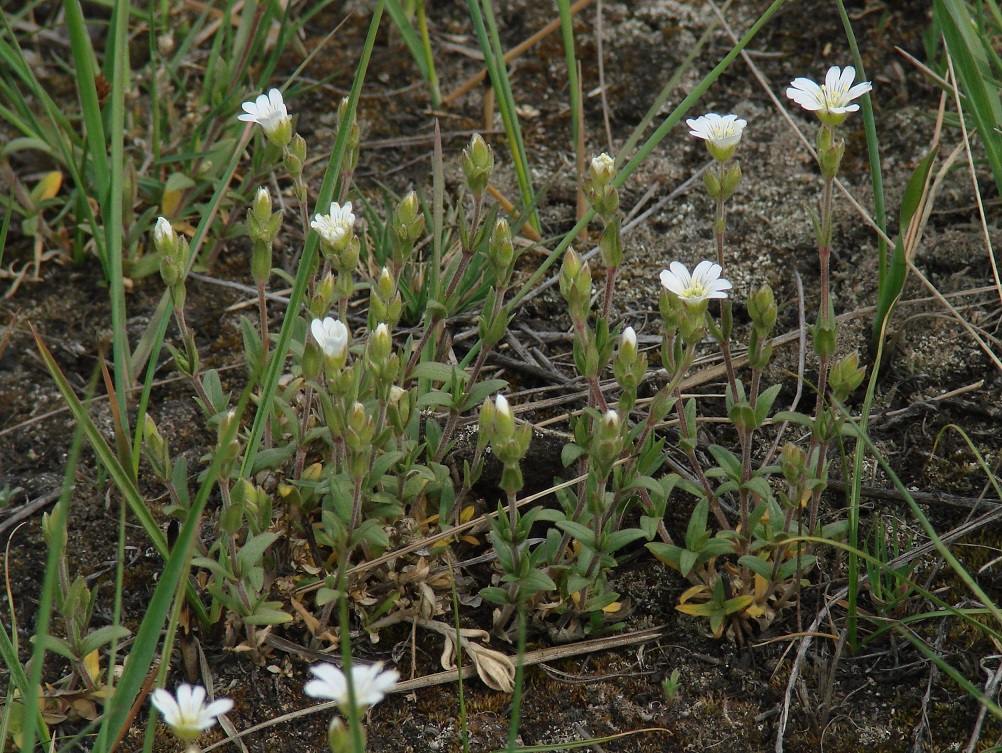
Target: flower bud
(158, 452)
(261, 208)
(504, 419)
(487, 415)
(478, 164)
(164, 237)
(386, 287)
(845, 376)
(792, 461)
(380, 344)
(602, 170)
(501, 251)
(295, 156)
(762, 308)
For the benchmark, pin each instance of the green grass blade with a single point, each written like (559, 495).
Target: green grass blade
(966, 44)
(411, 39)
(567, 33)
(482, 14)
(873, 154)
(112, 209)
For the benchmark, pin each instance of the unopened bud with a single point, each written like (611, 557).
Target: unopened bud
(762, 308)
(845, 376)
(478, 164)
(164, 237)
(262, 206)
(603, 169)
(792, 461)
(501, 251)
(504, 419)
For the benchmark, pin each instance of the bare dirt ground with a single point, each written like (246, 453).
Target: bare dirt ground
(885, 698)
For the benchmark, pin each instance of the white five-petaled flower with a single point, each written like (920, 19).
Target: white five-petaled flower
(720, 132)
(331, 335)
(832, 100)
(371, 684)
(335, 228)
(704, 283)
(270, 112)
(188, 716)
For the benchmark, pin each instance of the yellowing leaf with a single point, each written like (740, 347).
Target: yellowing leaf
(47, 187)
(613, 607)
(690, 592)
(92, 662)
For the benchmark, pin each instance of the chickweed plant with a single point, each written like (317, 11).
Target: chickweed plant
(354, 463)
(342, 499)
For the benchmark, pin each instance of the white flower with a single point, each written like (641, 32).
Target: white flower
(704, 282)
(629, 338)
(270, 112)
(188, 716)
(335, 228)
(832, 99)
(371, 684)
(720, 132)
(331, 335)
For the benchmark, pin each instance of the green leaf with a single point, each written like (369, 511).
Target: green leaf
(252, 551)
(687, 560)
(268, 615)
(757, 565)
(537, 581)
(571, 452)
(759, 487)
(727, 460)
(618, 539)
(789, 568)
(102, 636)
(670, 554)
(438, 372)
(494, 595)
(764, 404)
(582, 533)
